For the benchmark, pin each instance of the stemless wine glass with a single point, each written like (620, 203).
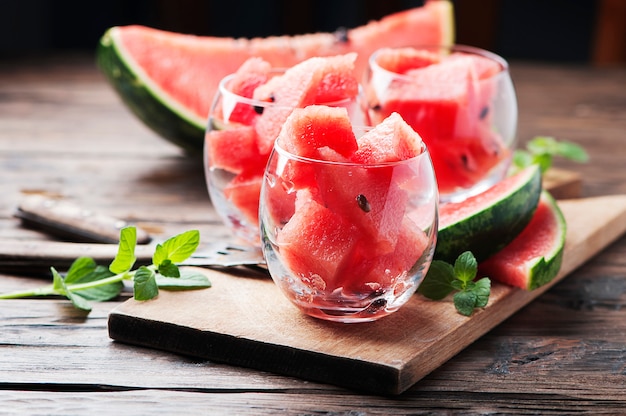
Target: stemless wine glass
(348, 242)
(239, 138)
(460, 99)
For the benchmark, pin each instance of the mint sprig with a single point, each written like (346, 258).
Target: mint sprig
(87, 282)
(542, 150)
(443, 278)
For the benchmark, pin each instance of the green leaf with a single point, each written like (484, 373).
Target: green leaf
(125, 257)
(169, 269)
(437, 283)
(80, 268)
(465, 302)
(78, 301)
(522, 159)
(188, 280)
(572, 151)
(465, 267)
(145, 286)
(57, 282)
(482, 289)
(178, 248)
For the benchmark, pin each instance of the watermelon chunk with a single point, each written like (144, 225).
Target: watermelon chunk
(449, 100)
(168, 79)
(243, 129)
(350, 238)
(534, 257)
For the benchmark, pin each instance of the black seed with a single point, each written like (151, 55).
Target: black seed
(363, 203)
(377, 305)
(465, 161)
(258, 109)
(484, 112)
(271, 98)
(341, 34)
(376, 107)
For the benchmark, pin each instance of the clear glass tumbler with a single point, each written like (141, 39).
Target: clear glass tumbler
(344, 241)
(460, 99)
(239, 138)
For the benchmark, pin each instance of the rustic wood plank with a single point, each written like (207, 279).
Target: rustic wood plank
(248, 322)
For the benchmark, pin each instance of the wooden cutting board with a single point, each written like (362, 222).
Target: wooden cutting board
(245, 321)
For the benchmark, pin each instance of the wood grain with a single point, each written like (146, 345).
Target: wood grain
(247, 322)
(64, 133)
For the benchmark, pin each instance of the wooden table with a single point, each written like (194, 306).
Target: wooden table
(64, 133)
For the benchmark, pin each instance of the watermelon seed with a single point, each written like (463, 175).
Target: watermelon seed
(377, 305)
(258, 109)
(363, 203)
(484, 112)
(341, 34)
(376, 107)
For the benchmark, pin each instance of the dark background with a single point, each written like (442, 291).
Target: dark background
(546, 30)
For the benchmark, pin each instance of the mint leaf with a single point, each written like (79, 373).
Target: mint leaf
(465, 267)
(188, 280)
(169, 269)
(178, 248)
(61, 288)
(145, 286)
(541, 150)
(465, 302)
(443, 278)
(572, 151)
(437, 283)
(125, 257)
(482, 289)
(80, 268)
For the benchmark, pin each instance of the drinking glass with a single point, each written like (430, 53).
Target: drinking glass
(344, 241)
(239, 138)
(461, 100)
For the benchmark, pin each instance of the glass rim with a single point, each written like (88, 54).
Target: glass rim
(223, 89)
(452, 48)
(284, 152)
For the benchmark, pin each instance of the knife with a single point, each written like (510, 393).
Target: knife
(101, 233)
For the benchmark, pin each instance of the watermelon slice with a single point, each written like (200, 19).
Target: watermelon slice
(449, 100)
(487, 222)
(168, 79)
(349, 239)
(534, 257)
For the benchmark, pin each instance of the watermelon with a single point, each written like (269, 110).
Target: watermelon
(255, 102)
(449, 97)
(169, 79)
(534, 257)
(487, 222)
(343, 234)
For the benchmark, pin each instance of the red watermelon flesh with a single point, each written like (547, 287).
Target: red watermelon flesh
(188, 68)
(243, 191)
(449, 104)
(253, 73)
(302, 85)
(368, 241)
(534, 257)
(304, 137)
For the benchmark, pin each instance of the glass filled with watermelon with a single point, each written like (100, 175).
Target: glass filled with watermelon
(348, 214)
(246, 116)
(460, 99)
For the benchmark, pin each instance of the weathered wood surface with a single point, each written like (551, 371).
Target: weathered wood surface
(64, 133)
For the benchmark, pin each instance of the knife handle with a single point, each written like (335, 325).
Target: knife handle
(70, 221)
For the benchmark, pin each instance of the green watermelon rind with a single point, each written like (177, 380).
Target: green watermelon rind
(488, 230)
(545, 268)
(145, 99)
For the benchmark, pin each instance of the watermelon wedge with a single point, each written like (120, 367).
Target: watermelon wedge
(487, 222)
(168, 79)
(534, 257)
